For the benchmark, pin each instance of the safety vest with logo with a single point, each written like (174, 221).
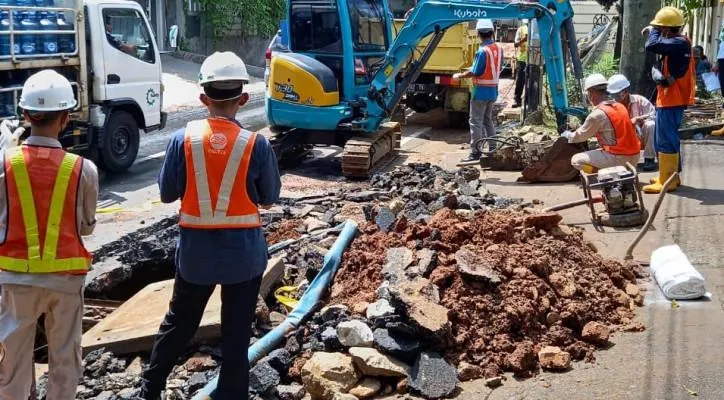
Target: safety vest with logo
(683, 90)
(42, 233)
(493, 66)
(218, 154)
(627, 142)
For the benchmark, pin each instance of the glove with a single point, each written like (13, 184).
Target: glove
(568, 135)
(457, 76)
(10, 133)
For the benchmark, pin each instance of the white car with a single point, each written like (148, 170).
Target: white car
(275, 46)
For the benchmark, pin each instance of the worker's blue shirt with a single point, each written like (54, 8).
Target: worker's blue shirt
(485, 93)
(677, 48)
(221, 256)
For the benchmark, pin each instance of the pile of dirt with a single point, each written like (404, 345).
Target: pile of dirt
(284, 230)
(512, 283)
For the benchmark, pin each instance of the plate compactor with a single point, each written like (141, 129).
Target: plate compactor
(620, 194)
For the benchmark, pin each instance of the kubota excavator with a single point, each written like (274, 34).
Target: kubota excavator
(344, 74)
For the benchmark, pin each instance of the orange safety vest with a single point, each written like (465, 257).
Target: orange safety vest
(682, 91)
(42, 232)
(218, 153)
(627, 142)
(493, 66)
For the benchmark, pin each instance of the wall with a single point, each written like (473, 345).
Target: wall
(584, 12)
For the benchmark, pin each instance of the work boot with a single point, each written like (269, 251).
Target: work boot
(649, 165)
(473, 156)
(668, 164)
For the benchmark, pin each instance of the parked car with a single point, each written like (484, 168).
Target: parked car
(275, 46)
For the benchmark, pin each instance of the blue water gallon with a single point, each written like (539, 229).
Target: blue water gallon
(4, 3)
(66, 42)
(48, 43)
(25, 3)
(4, 39)
(28, 42)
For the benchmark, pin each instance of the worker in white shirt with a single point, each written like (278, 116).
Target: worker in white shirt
(642, 114)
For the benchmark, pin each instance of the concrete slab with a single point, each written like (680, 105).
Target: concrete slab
(132, 327)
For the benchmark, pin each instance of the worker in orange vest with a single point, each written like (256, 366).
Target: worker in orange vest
(610, 123)
(47, 201)
(223, 174)
(676, 86)
(485, 73)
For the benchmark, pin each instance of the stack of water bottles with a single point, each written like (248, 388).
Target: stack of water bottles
(34, 17)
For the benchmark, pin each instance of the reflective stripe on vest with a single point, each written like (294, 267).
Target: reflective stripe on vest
(216, 217)
(47, 262)
(682, 91)
(627, 142)
(493, 67)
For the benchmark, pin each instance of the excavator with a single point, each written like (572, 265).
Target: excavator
(344, 74)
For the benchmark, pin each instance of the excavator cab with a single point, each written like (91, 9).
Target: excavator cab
(333, 45)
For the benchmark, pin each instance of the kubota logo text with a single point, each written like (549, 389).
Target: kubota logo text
(469, 13)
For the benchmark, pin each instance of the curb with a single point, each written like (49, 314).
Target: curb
(257, 72)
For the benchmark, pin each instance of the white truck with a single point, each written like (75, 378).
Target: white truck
(107, 50)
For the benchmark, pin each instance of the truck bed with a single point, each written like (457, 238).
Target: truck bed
(454, 53)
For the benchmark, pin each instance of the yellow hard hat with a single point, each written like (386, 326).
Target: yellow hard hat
(668, 16)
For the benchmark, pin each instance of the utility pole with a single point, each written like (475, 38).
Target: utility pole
(636, 63)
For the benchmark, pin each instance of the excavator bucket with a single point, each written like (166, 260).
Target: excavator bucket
(555, 165)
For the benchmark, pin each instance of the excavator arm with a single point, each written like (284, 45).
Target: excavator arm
(433, 17)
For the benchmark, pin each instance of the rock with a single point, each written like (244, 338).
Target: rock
(344, 396)
(378, 309)
(475, 266)
(632, 289)
(368, 387)
(105, 395)
(495, 382)
(398, 258)
(468, 372)
(263, 378)
(314, 224)
(330, 339)
(403, 386)
(383, 292)
(522, 360)
(553, 358)
(276, 318)
(360, 308)
(290, 392)
(324, 374)
(596, 333)
(200, 363)
(136, 367)
(385, 219)
(373, 363)
(424, 313)
(450, 201)
(198, 381)
(545, 221)
(396, 345)
(351, 211)
(432, 377)
(333, 312)
(354, 333)
(563, 286)
(304, 211)
(469, 173)
(327, 242)
(396, 206)
(280, 360)
(360, 197)
(465, 214)
(426, 261)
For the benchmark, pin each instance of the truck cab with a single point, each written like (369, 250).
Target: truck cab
(114, 64)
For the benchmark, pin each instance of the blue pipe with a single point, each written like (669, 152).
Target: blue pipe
(306, 304)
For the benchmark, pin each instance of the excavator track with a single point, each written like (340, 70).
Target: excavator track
(363, 153)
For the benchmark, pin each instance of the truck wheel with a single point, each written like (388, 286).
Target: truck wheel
(120, 142)
(457, 119)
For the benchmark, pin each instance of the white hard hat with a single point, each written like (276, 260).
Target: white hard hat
(47, 91)
(617, 83)
(484, 25)
(224, 69)
(594, 80)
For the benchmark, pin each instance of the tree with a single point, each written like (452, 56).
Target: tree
(636, 62)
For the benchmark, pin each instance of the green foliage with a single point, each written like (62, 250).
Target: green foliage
(689, 7)
(253, 17)
(607, 65)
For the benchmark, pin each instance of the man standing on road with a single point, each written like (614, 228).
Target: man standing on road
(675, 85)
(610, 123)
(521, 43)
(223, 174)
(642, 114)
(48, 200)
(485, 73)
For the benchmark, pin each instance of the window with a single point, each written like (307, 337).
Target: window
(314, 26)
(193, 7)
(400, 7)
(126, 30)
(369, 30)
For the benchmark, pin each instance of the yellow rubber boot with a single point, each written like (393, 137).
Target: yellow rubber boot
(718, 132)
(589, 169)
(668, 164)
